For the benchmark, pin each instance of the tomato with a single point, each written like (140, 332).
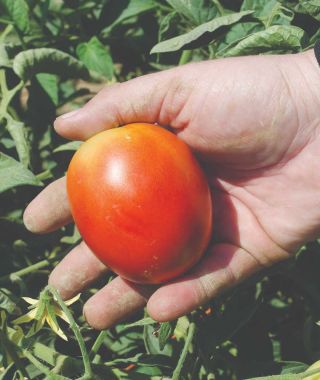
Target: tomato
(141, 202)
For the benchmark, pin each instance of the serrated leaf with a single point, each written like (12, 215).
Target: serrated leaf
(96, 57)
(165, 332)
(13, 173)
(18, 133)
(199, 35)
(18, 12)
(47, 60)
(196, 11)
(277, 38)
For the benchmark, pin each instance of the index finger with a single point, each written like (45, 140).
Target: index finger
(153, 98)
(49, 210)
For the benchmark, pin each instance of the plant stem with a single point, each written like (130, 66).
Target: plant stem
(88, 374)
(190, 336)
(96, 346)
(7, 30)
(185, 57)
(46, 174)
(6, 94)
(25, 271)
(219, 7)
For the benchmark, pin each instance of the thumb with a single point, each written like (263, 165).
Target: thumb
(141, 99)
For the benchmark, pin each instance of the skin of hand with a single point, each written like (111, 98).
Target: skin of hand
(253, 122)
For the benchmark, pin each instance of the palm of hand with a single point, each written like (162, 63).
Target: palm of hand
(257, 149)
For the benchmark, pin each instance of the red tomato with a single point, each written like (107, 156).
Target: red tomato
(141, 202)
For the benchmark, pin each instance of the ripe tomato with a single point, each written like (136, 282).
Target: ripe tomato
(141, 202)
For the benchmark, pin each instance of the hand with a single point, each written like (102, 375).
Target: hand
(254, 124)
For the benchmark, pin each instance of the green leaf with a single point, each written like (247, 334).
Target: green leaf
(278, 377)
(18, 12)
(72, 145)
(310, 7)
(13, 173)
(6, 302)
(143, 322)
(96, 57)
(134, 8)
(167, 24)
(293, 367)
(196, 11)
(195, 37)
(49, 82)
(239, 31)
(46, 60)
(277, 38)
(111, 11)
(152, 343)
(165, 332)
(270, 12)
(4, 56)
(259, 6)
(19, 135)
(7, 52)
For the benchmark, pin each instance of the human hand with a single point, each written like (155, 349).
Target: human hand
(254, 124)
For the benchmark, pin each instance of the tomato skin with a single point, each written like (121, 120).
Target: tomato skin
(141, 202)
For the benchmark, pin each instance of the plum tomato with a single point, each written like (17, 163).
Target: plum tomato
(141, 202)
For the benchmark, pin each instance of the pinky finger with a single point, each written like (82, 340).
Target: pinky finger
(225, 266)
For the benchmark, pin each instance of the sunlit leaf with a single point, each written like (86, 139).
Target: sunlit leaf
(200, 35)
(13, 173)
(47, 60)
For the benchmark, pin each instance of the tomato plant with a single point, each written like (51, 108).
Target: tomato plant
(141, 202)
(54, 56)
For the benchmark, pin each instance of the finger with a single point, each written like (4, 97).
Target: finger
(116, 301)
(225, 266)
(151, 98)
(49, 210)
(76, 271)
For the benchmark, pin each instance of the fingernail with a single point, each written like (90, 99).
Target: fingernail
(28, 222)
(69, 114)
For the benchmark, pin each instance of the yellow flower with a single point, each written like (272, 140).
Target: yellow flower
(316, 376)
(45, 310)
